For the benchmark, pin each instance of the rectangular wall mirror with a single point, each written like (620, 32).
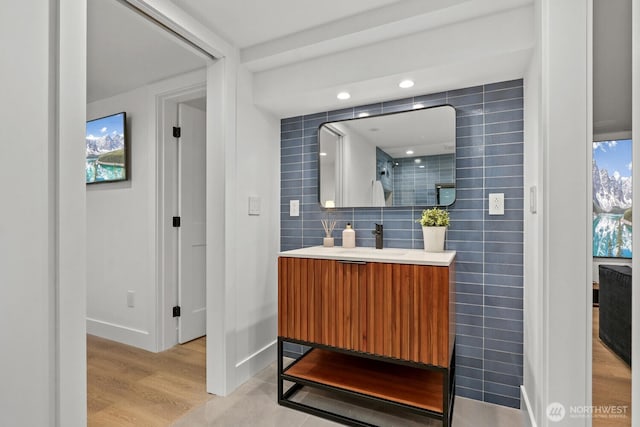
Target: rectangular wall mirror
(398, 159)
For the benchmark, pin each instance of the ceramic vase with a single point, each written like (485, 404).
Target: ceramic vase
(433, 238)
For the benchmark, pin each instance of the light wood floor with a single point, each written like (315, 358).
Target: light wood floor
(132, 387)
(127, 386)
(611, 380)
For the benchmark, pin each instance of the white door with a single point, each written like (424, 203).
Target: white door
(192, 231)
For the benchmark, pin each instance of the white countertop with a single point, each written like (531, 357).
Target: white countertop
(390, 255)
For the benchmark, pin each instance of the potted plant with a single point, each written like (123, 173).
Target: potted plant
(434, 225)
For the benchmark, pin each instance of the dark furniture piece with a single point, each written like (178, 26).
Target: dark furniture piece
(615, 309)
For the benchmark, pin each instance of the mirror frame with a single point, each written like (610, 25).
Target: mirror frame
(439, 186)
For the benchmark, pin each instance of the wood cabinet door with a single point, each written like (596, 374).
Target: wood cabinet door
(393, 310)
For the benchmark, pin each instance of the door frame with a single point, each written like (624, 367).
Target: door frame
(166, 108)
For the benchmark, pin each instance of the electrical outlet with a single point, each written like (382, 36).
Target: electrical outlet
(496, 204)
(294, 208)
(131, 299)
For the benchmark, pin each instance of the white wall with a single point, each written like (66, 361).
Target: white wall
(329, 167)
(359, 176)
(557, 247)
(122, 237)
(533, 321)
(42, 219)
(257, 238)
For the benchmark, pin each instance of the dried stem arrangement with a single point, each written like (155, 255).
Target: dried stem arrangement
(328, 225)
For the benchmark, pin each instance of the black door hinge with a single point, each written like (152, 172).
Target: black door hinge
(176, 221)
(176, 311)
(176, 132)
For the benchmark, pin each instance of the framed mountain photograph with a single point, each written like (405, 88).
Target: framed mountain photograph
(612, 194)
(106, 158)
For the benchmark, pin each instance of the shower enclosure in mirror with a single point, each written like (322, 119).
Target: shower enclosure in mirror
(397, 159)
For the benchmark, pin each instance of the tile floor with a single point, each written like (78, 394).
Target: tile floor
(254, 404)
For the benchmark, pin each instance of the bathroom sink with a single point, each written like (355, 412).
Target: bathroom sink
(370, 254)
(372, 251)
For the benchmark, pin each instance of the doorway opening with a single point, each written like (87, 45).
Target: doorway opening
(612, 212)
(145, 71)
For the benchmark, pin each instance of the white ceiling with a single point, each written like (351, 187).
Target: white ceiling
(125, 51)
(611, 68)
(302, 54)
(246, 23)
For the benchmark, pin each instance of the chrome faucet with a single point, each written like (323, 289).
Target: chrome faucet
(379, 236)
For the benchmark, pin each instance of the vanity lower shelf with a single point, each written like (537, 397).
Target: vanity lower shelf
(396, 383)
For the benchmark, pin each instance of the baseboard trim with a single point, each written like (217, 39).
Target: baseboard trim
(258, 353)
(529, 417)
(120, 333)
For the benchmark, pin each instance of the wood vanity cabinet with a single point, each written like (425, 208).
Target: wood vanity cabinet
(366, 319)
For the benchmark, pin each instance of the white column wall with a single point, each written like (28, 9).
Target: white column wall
(42, 269)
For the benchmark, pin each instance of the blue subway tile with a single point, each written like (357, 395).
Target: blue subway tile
(489, 124)
(469, 121)
(506, 346)
(372, 109)
(504, 127)
(500, 312)
(504, 335)
(502, 390)
(503, 357)
(469, 139)
(464, 319)
(510, 104)
(511, 402)
(469, 372)
(468, 393)
(493, 301)
(504, 138)
(504, 269)
(503, 94)
(465, 91)
(440, 97)
(503, 378)
(469, 383)
(503, 258)
(504, 116)
(507, 325)
(503, 85)
(500, 367)
(397, 102)
(460, 101)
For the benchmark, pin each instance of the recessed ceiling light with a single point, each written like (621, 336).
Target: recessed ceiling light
(418, 105)
(418, 161)
(363, 115)
(409, 152)
(323, 154)
(344, 95)
(406, 84)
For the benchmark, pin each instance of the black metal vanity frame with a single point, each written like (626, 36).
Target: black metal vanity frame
(448, 386)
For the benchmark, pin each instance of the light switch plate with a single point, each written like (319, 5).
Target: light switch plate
(496, 204)
(254, 205)
(131, 299)
(294, 208)
(533, 199)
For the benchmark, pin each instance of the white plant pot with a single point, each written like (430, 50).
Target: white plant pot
(433, 238)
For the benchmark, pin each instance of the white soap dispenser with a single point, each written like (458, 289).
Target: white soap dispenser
(348, 237)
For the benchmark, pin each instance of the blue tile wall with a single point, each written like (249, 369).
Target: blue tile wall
(489, 263)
